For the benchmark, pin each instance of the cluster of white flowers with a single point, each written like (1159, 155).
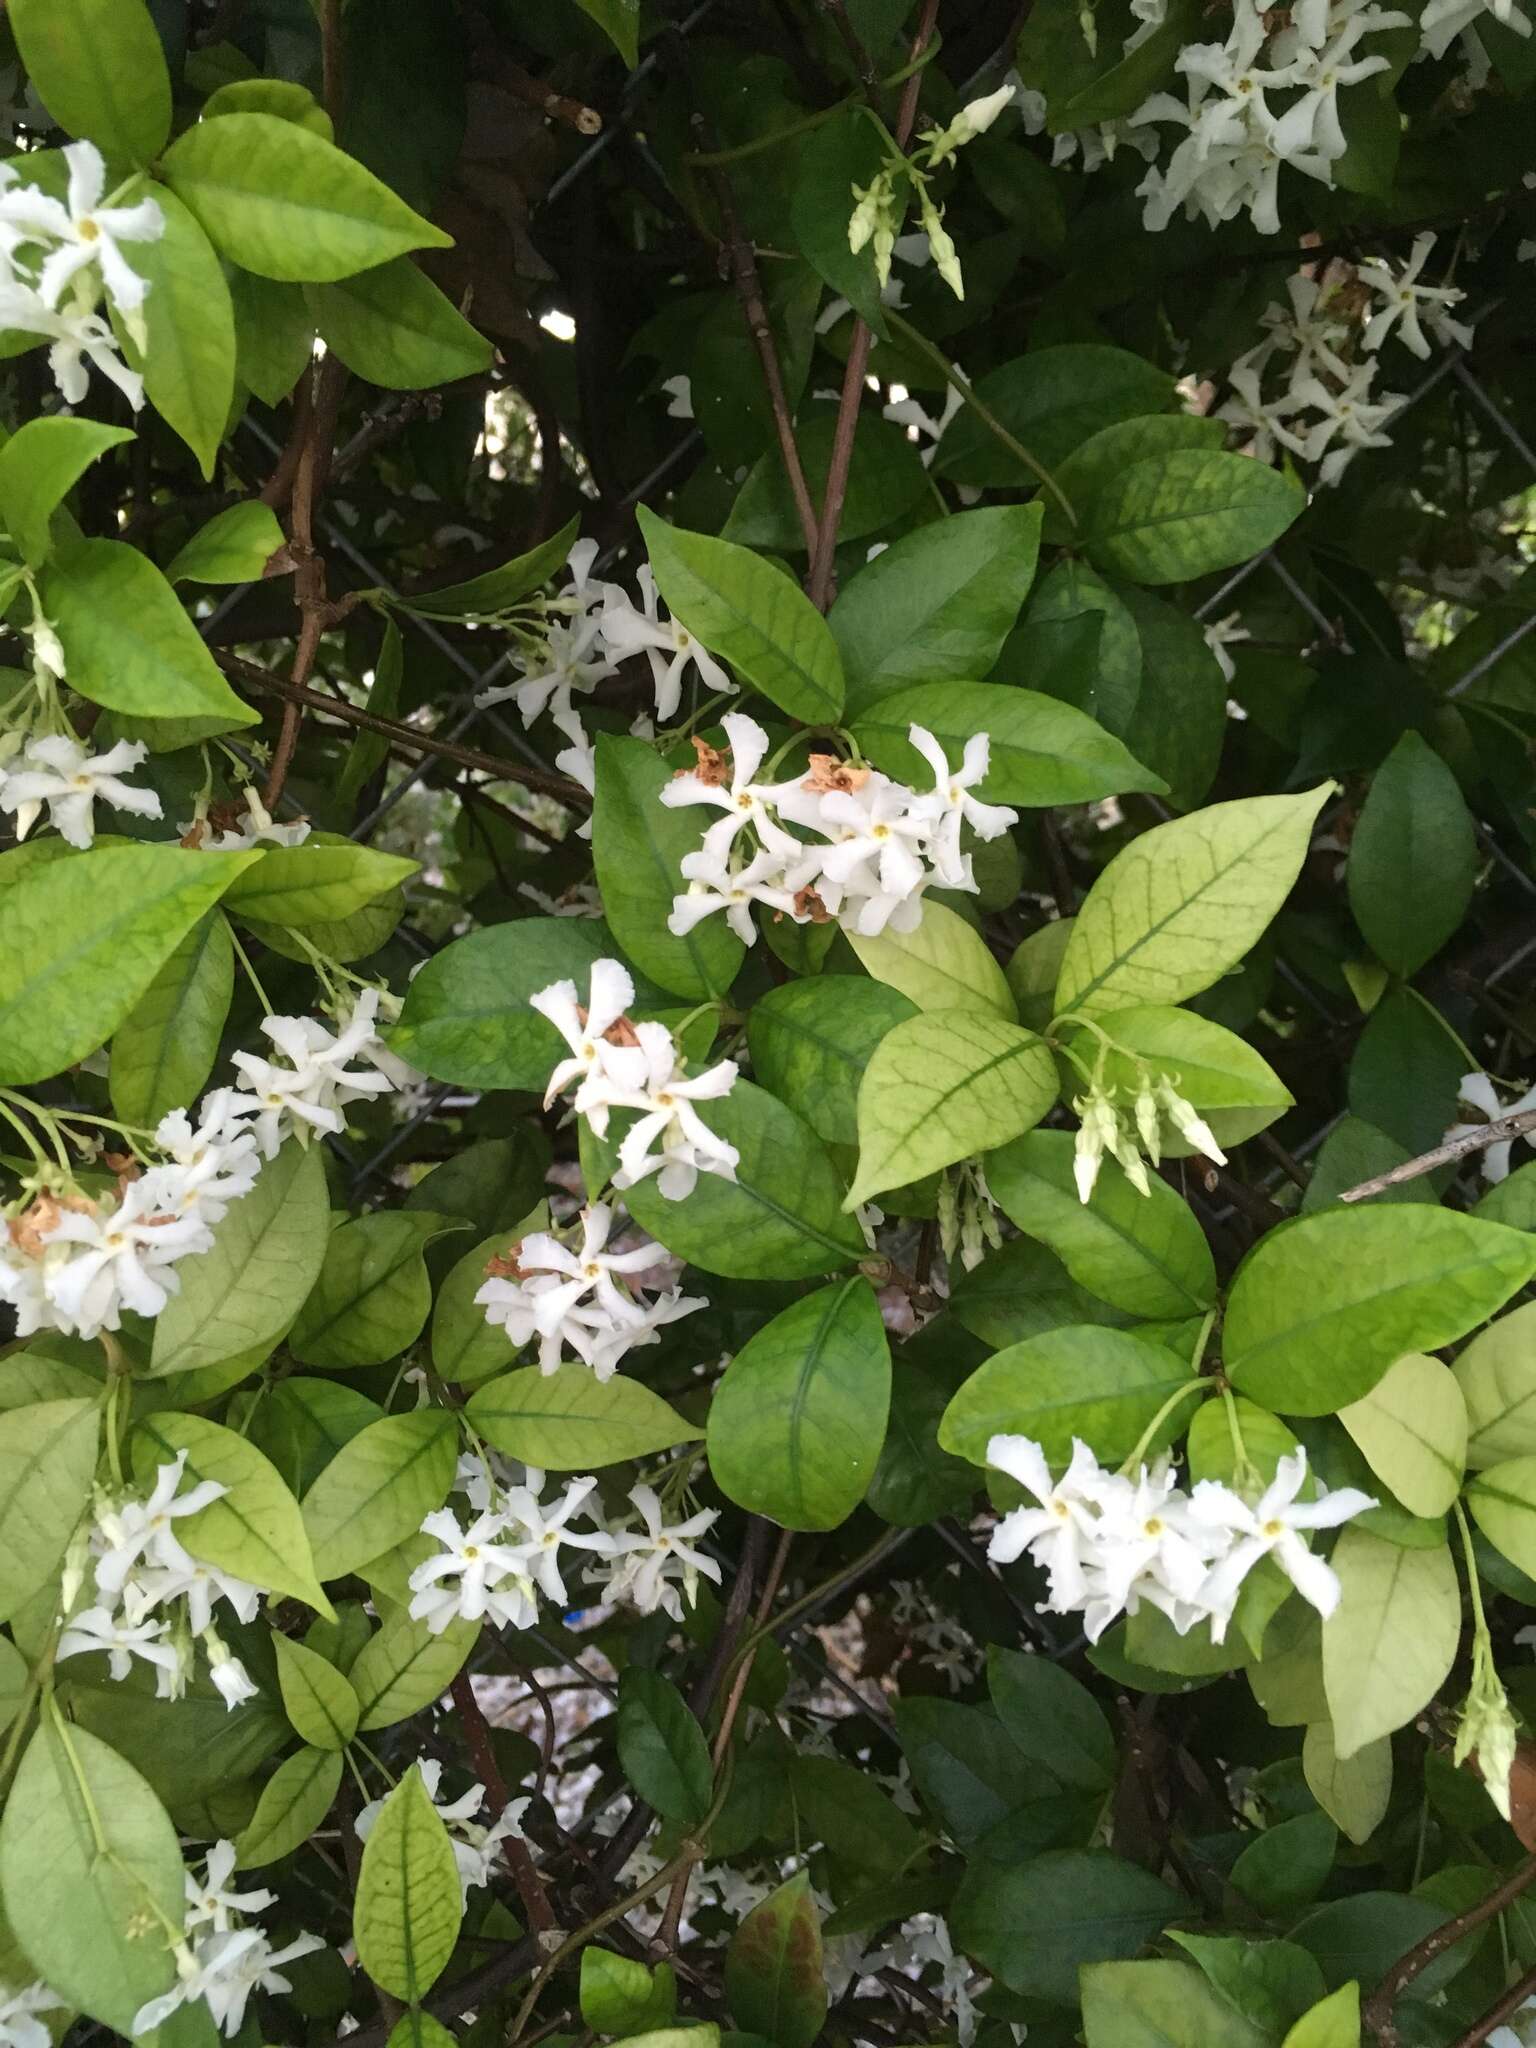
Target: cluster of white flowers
(617, 1064)
(59, 771)
(581, 1300)
(152, 1599)
(314, 1081)
(1107, 1542)
(239, 826)
(19, 2025)
(222, 1958)
(880, 844)
(1328, 408)
(58, 257)
(475, 1846)
(509, 1554)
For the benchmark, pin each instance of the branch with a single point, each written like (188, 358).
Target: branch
(477, 1735)
(309, 565)
(1496, 2015)
(1493, 1133)
(1377, 2013)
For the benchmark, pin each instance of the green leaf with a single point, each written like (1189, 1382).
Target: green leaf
(1320, 1309)
(13, 1690)
(256, 1529)
(1034, 1926)
(274, 335)
(1503, 1504)
(781, 1218)
(47, 1463)
(378, 1487)
(569, 1420)
(1102, 1385)
(466, 1349)
(93, 930)
(1334, 2022)
(812, 1040)
(293, 1803)
(88, 1861)
(979, 1784)
(1050, 400)
(1497, 1377)
(1094, 463)
(773, 1968)
(317, 1698)
(865, 1833)
(98, 67)
(886, 479)
(164, 1049)
(278, 200)
(373, 1294)
(662, 1750)
(1160, 2005)
(843, 152)
(938, 602)
(409, 1904)
(1412, 857)
(239, 1299)
(942, 1087)
(466, 1017)
(1353, 1791)
(638, 843)
(1389, 1645)
(1412, 1428)
(189, 354)
(796, 1424)
(485, 596)
(619, 21)
(315, 883)
(278, 96)
(1053, 1719)
(942, 965)
(1182, 904)
(751, 615)
(405, 1667)
(302, 1423)
(1172, 517)
(1143, 1253)
(127, 642)
(915, 1481)
(395, 328)
(621, 1996)
(234, 547)
(1043, 752)
(1233, 1087)
(1179, 723)
(1287, 1866)
(39, 466)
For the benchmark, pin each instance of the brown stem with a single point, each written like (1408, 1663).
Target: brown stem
(309, 563)
(535, 93)
(477, 1735)
(1493, 1133)
(330, 56)
(1378, 2011)
(1496, 2015)
(819, 584)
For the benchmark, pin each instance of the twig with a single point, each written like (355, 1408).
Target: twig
(477, 1735)
(858, 56)
(1493, 1133)
(824, 555)
(1496, 2015)
(557, 105)
(1378, 2011)
(309, 564)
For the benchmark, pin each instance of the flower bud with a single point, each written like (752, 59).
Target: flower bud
(1189, 1124)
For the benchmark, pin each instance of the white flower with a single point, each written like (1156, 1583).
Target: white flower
(474, 1845)
(223, 1969)
(58, 771)
(1273, 1526)
(1351, 418)
(1148, 1547)
(666, 644)
(209, 1899)
(919, 422)
(121, 1258)
(1404, 298)
(1261, 420)
(539, 1531)
(1220, 636)
(744, 800)
(951, 805)
(19, 2026)
(78, 337)
(234, 1683)
(133, 1530)
(715, 884)
(649, 1568)
(1443, 20)
(259, 829)
(593, 1058)
(96, 1629)
(1478, 1092)
(210, 1165)
(82, 232)
(574, 656)
(688, 1146)
(309, 1093)
(1060, 1532)
(467, 1580)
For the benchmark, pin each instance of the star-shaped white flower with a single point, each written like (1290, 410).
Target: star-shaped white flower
(61, 772)
(1275, 1526)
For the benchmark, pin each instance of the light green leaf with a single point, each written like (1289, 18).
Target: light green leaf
(1086, 1381)
(416, 2027)
(164, 1049)
(638, 844)
(621, 1996)
(409, 1903)
(1142, 1253)
(1389, 1645)
(1184, 902)
(317, 1698)
(943, 965)
(1497, 1377)
(774, 1980)
(315, 883)
(936, 603)
(278, 200)
(1093, 464)
(373, 1294)
(1503, 1504)
(486, 596)
(1412, 1428)
(188, 360)
(127, 642)
(1033, 971)
(405, 1667)
(812, 1040)
(1160, 2005)
(256, 1529)
(90, 932)
(662, 1750)
(293, 1803)
(1353, 1791)
(1043, 752)
(394, 327)
(98, 67)
(234, 547)
(278, 96)
(1172, 517)
(240, 1298)
(47, 1463)
(89, 1862)
(796, 1424)
(1320, 1309)
(569, 1420)
(1234, 1088)
(40, 464)
(302, 1423)
(376, 1490)
(1413, 857)
(751, 615)
(941, 1087)
(1334, 2022)
(13, 1694)
(466, 1349)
